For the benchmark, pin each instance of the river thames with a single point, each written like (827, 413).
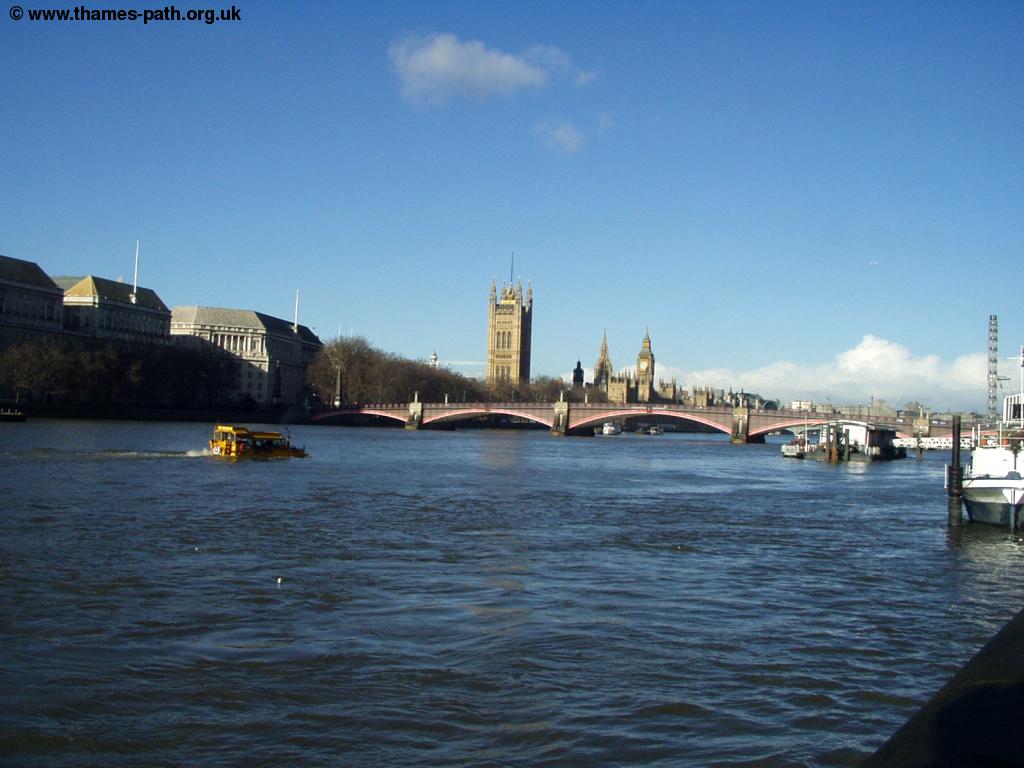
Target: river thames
(473, 598)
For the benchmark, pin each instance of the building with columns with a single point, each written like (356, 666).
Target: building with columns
(509, 327)
(271, 354)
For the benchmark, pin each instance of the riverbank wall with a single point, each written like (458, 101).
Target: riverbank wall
(974, 720)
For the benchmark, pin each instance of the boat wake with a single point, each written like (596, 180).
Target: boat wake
(112, 454)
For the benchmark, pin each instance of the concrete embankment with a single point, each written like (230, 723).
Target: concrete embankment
(974, 720)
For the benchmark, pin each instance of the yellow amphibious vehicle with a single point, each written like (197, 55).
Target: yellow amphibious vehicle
(239, 443)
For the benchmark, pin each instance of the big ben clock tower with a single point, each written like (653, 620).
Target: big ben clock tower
(645, 371)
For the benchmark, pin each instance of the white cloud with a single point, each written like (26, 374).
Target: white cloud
(557, 62)
(560, 134)
(875, 368)
(435, 68)
(550, 59)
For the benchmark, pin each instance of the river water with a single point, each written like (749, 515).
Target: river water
(473, 598)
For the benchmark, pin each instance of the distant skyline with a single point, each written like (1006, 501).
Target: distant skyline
(808, 200)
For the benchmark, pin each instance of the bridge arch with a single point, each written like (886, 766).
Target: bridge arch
(817, 422)
(380, 413)
(600, 418)
(789, 424)
(470, 413)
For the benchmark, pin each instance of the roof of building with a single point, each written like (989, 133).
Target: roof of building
(102, 288)
(237, 318)
(26, 272)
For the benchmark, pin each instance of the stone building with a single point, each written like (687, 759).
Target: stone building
(620, 389)
(703, 397)
(509, 327)
(109, 310)
(272, 354)
(645, 371)
(578, 376)
(668, 391)
(31, 304)
(753, 400)
(632, 386)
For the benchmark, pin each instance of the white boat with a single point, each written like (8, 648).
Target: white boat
(608, 428)
(796, 449)
(993, 486)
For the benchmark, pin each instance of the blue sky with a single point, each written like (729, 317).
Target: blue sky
(804, 199)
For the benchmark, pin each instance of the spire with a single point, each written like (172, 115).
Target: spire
(603, 369)
(135, 282)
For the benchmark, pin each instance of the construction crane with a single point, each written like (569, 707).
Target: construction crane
(437, 362)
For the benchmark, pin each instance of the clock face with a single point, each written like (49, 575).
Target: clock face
(643, 366)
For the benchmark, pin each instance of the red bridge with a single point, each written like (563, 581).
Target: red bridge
(743, 425)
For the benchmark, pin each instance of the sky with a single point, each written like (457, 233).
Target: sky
(809, 200)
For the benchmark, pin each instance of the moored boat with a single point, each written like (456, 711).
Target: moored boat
(795, 449)
(12, 414)
(608, 428)
(230, 442)
(840, 440)
(993, 486)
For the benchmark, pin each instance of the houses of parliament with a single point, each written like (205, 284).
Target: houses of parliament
(509, 331)
(628, 387)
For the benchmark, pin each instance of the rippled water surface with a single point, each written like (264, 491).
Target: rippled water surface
(473, 598)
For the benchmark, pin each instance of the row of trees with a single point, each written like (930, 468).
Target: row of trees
(369, 375)
(48, 372)
(545, 389)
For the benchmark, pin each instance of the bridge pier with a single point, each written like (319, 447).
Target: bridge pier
(415, 415)
(740, 424)
(560, 422)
